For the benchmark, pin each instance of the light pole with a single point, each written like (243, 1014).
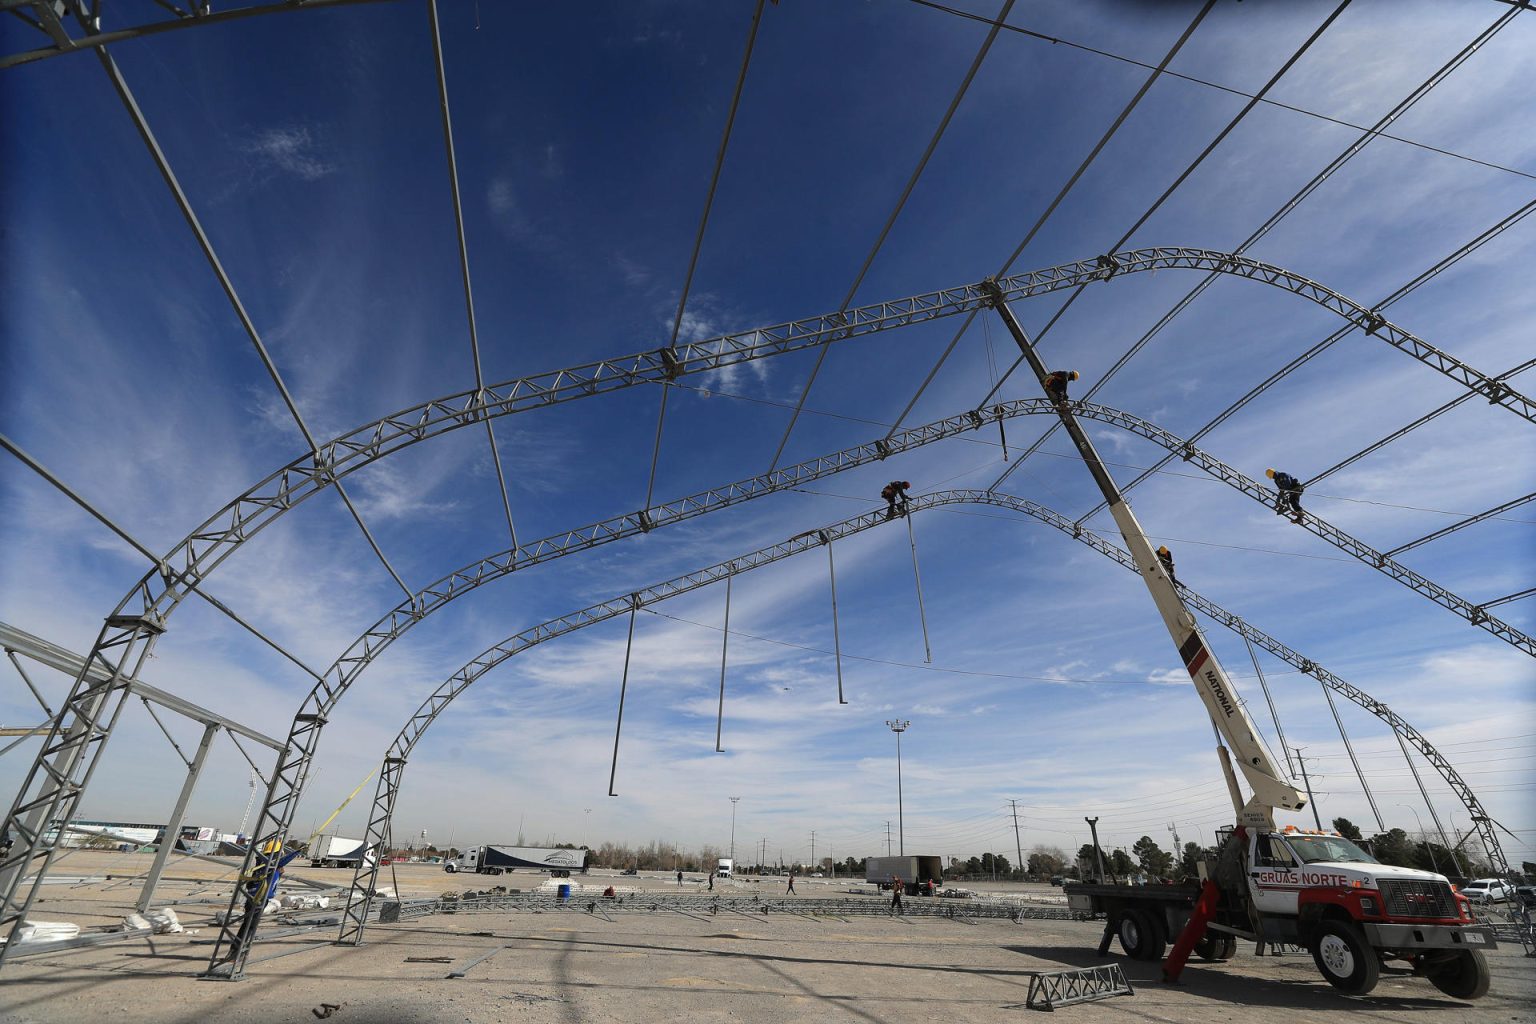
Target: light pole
(586, 832)
(898, 727)
(1419, 821)
(733, 831)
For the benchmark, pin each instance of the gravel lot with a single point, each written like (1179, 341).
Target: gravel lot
(571, 966)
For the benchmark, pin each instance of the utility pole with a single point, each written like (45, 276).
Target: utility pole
(1017, 844)
(733, 799)
(899, 726)
(813, 850)
(1306, 781)
(887, 839)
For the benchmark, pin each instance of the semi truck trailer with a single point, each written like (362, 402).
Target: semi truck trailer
(914, 872)
(497, 860)
(332, 851)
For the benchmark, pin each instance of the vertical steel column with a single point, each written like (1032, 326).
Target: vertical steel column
(725, 640)
(365, 877)
(922, 613)
(837, 642)
(173, 826)
(629, 645)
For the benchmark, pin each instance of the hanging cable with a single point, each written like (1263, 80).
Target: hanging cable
(629, 645)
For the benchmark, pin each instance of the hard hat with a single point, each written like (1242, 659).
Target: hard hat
(1163, 550)
(1072, 375)
(1269, 473)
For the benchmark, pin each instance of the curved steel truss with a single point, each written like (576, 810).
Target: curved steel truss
(89, 31)
(366, 877)
(64, 765)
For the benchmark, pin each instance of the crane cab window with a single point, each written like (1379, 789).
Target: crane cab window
(1273, 853)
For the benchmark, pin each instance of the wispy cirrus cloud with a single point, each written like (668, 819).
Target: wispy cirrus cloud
(290, 149)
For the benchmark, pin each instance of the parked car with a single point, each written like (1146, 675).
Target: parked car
(1488, 890)
(1058, 880)
(1526, 894)
(629, 871)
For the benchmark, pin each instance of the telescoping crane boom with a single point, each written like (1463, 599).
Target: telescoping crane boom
(1271, 788)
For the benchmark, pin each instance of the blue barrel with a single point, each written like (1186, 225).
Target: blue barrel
(565, 891)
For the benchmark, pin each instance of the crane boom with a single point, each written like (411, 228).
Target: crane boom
(1271, 788)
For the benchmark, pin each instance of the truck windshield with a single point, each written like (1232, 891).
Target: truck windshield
(1336, 849)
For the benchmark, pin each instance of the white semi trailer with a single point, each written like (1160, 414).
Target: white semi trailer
(497, 860)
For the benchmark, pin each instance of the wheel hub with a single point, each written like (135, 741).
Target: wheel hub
(1336, 956)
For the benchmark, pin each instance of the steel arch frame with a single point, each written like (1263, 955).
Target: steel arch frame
(64, 766)
(87, 15)
(360, 897)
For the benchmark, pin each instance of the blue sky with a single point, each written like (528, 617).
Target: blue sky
(311, 148)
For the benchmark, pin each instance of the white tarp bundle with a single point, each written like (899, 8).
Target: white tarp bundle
(46, 931)
(305, 902)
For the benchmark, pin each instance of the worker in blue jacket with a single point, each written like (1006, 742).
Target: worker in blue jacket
(1288, 501)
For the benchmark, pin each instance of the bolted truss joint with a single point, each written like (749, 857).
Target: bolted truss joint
(148, 622)
(975, 417)
(394, 760)
(1496, 392)
(1108, 264)
(1373, 322)
(992, 292)
(646, 526)
(882, 449)
(821, 535)
(312, 719)
(671, 366)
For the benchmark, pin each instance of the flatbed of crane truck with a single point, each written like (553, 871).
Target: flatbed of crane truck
(1174, 892)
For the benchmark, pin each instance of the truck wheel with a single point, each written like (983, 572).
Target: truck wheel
(1342, 956)
(1215, 946)
(1463, 977)
(1140, 935)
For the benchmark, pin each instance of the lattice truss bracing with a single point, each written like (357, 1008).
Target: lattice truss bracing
(393, 769)
(82, 723)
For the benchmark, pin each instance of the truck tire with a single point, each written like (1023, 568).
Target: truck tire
(1343, 957)
(1141, 935)
(1215, 946)
(1463, 977)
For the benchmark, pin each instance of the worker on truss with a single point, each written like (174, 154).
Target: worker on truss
(1056, 384)
(1288, 501)
(895, 492)
(1166, 557)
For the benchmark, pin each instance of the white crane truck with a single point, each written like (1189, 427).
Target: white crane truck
(1267, 884)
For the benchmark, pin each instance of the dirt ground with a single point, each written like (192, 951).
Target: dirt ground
(571, 966)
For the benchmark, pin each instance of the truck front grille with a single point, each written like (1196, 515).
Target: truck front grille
(1418, 899)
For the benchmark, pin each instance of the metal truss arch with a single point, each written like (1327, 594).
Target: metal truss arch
(62, 771)
(365, 879)
(47, 16)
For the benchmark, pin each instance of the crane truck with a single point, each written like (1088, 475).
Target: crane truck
(1266, 884)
